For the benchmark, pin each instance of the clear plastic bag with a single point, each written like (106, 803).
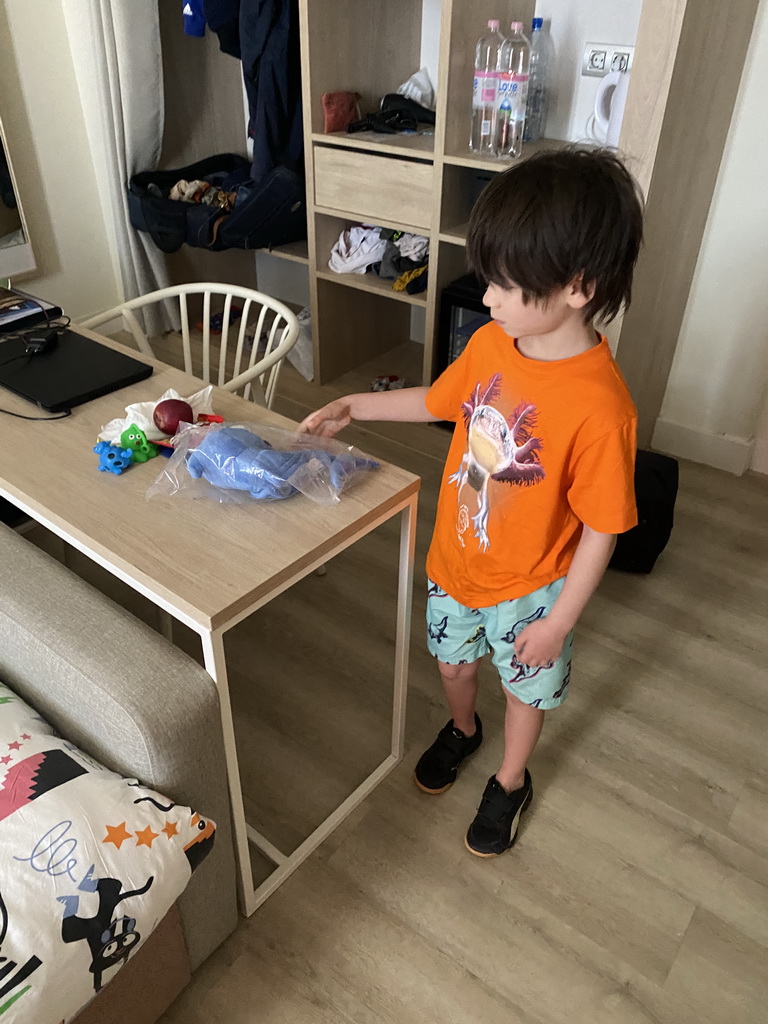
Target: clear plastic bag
(419, 88)
(242, 462)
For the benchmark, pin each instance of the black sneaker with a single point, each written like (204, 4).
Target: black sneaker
(495, 826)
(437, 767)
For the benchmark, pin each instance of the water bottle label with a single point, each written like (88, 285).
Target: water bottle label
(504, 90)
(485, 88)
(520, 83)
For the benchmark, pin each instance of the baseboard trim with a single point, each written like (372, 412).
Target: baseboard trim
(759, 462)
(722, 451)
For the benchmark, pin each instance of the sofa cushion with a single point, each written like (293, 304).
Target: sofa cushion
(135, 702)
(93, 862)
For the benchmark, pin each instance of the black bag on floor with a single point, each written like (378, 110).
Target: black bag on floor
(266, 213)
(656, 479)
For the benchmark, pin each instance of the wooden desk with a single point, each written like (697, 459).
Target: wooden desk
(208, 565)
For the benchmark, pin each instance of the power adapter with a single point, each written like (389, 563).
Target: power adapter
(38, 342)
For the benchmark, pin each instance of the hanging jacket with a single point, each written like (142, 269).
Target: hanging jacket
(223, 17)
(194, 19)
(264, 35)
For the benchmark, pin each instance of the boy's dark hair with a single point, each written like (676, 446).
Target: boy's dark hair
(555, 216)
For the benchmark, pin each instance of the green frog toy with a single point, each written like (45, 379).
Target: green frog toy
(136, 440)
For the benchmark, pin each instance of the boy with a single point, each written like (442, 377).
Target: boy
(539, 477)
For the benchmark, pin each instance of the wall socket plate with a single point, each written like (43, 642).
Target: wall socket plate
(601, 58)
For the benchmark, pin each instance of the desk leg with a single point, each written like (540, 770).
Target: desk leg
(216, 667)
(286, 864)
(403, 635)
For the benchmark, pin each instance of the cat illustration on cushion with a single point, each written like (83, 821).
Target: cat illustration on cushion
(111, 938)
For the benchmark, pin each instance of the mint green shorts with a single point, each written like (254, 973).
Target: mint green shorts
(457, 635)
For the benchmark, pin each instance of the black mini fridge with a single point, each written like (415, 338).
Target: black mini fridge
(461, 313)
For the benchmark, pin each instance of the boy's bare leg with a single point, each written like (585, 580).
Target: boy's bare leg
(460, 684)
(522, 727)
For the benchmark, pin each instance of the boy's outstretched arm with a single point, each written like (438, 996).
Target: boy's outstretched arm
(543, 640)
(406, 405)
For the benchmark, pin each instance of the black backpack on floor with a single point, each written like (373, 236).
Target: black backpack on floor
(266, 213)
(656, 480)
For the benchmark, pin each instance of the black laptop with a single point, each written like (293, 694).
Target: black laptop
(76, 370)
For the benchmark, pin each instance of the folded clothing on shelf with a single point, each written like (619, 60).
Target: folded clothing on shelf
(386, 252)
(412, 281)
(356, 249)
(404, 254)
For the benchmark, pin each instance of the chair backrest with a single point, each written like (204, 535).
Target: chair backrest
(275, 332)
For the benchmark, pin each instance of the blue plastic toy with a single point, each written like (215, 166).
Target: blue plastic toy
(235, 458)
(113, 459)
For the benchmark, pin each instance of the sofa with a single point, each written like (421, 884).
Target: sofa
(133, 702)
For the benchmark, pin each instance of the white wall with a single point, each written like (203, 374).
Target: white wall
(760, 454)
(717, 385)
(570, 25)
(282, 279)
(40, 108)
(430, 38)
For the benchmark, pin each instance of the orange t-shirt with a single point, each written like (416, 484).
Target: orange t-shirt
(539, 448)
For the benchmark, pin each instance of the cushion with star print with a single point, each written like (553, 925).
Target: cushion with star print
(92, 864)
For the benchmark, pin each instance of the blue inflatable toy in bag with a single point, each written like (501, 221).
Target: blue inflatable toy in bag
(236, 458)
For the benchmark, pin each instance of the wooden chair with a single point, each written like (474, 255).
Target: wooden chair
(274, 323)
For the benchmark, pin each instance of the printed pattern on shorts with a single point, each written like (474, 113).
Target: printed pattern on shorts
(456, 637)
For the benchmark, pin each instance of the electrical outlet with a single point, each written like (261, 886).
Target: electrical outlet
(601, 58)
(596, 60)
(620, 60)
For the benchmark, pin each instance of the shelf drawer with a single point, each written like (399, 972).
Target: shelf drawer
(371, 186)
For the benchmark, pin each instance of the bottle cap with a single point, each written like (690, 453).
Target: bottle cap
(493, 24)
(537, 24)
(516, 26)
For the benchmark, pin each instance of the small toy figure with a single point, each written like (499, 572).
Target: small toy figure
(113, 459)
(136, 440)
(388, 384)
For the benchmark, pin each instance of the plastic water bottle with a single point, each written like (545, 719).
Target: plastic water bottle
(514, 64)
(485, 90)
(536, 110)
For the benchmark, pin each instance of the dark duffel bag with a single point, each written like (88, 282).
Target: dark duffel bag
(656, 479)
(266, 213)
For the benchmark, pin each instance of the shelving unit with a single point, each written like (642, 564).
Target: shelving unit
(427, 182)
(455, 236)
(419, 144)
(373, 284)
(296, 252)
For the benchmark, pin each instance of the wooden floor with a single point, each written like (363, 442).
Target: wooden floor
(638, 891)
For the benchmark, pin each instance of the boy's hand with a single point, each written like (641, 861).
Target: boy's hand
(540, 644)
(406, 406)
(329, 420)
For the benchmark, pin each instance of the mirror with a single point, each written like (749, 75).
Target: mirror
(16, 255)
